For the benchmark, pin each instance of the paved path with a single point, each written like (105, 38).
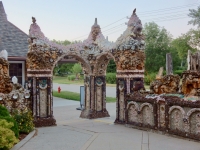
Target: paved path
(74, 133)
(110, 91)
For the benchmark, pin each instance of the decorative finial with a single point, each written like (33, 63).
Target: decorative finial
(95, 21)
(134, 11)
(33, 20)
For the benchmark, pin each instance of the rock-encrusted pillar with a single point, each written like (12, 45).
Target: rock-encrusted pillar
(40, 86)
(95, 98)
(129, 57)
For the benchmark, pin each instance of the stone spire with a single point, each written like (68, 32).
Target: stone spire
(95, 24)
(2, 12)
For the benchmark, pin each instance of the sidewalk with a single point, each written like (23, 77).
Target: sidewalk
(74, 133)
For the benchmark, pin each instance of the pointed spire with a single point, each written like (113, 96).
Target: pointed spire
(107, 38)
(2, 11)
(95, 22)
(134, 11)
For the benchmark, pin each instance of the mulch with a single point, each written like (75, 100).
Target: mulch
(22, 136)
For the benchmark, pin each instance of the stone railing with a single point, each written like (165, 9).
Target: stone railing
(169, 114)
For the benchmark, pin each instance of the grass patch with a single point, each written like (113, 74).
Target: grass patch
(64, 80)
(76, 96)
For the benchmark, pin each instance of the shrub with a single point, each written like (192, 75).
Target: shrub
(14, 128)
(149, 78)
(111, 78)
(4, 114)
(3, 111)
(24, 121)
(7, 136)
(71, 77)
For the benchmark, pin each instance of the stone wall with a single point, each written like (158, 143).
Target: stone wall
(169, 114)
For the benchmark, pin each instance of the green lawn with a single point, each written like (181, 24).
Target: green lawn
(64, 80)
(76, 96)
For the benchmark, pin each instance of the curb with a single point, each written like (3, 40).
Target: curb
(24, 141)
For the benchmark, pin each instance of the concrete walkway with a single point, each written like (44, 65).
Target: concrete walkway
(74, 133)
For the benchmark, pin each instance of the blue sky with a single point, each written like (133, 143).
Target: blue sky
(70, 19)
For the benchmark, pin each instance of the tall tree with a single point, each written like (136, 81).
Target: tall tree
(111, 68)
(158, 42)
(182, 44)
(195, 15)
(77, 69)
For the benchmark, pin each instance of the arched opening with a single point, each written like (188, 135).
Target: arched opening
(70, 84)
(110, 100)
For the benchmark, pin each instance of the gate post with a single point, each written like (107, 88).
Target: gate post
(95, 97)
(40, 86)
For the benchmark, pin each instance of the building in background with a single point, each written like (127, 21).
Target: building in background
(15, 41)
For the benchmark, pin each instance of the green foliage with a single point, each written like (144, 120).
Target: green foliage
(149, 78)
(178, 72)
(181, 44)
(7, 136)
(4, 114)
(3, 111)
(15, 127)
(77, 68)
(111, 78)
(62, 69)
(67, 95)
(157, 46)
(65, 42)
(71, 77)
(111, 68)
(76, 96)
(24, 121)
(195, 15)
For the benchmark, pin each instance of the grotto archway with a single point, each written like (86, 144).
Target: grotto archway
(94, 54)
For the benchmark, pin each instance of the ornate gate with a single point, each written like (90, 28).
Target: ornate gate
(94, 55)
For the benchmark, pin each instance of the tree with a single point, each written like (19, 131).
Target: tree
(182, 44)
(65, 42)
(158, 42)
(77, 69)
(195, 15)
(111, 68)
(62, 69)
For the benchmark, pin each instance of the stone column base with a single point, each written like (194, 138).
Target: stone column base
(89, 114)
(119, 121)
(44, 122)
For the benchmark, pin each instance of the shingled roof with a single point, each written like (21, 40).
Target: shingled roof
(12, 38)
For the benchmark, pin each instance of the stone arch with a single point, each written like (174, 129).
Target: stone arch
(192, 111)
(84, 64)
(133, 103)
(146, 110)
(102, 63)
(132, 109)
(193, 116)
(127, 52)
(176, 115)
(177, 107)
(146, 104)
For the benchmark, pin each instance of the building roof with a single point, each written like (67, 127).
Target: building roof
(12, 38)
